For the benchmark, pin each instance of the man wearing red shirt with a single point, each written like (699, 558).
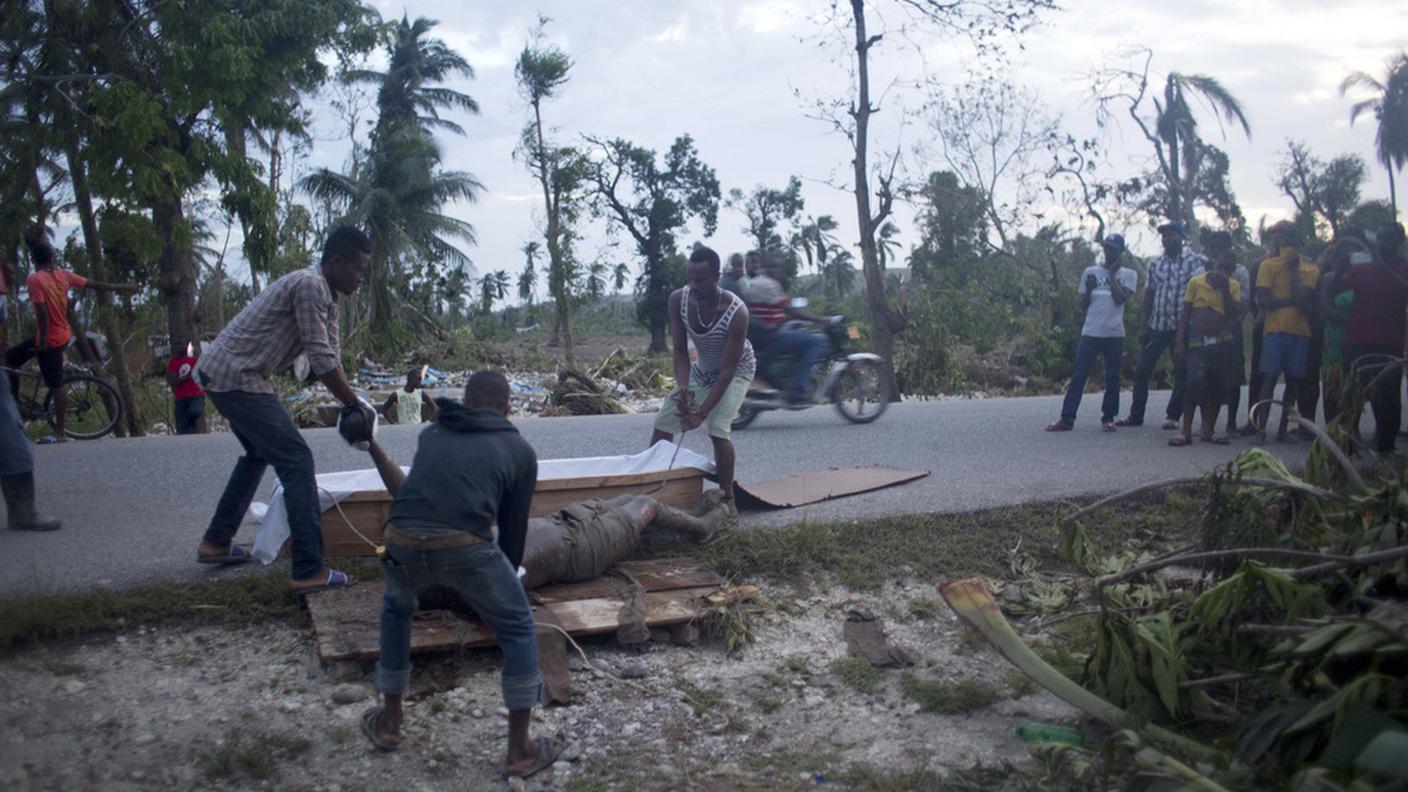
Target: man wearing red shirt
(48, 293)
(1374, 333)
(189, 398)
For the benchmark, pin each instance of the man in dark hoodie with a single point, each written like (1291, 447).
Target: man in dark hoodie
(472, 471)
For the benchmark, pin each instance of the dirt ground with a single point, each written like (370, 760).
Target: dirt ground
(254, 708)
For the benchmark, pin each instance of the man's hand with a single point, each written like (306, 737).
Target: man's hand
(692, 420)
(684, 402)
(1090, 283)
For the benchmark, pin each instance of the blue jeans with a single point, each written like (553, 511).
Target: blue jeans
(1149, 354)
(269, 437)
(810, 348)
(485, 580)
(1112, 349)
(16, 458)
(188, 414)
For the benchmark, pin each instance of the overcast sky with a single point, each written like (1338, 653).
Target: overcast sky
(725, 72)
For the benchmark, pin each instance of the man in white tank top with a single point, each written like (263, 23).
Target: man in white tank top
(717, 322)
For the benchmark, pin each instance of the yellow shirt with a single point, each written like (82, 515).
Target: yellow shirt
(1275, 274)
(1201, 294)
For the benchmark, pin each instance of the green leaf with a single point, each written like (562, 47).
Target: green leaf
(1386, 755)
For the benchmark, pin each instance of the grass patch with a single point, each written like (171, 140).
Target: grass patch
(866, 555)
(798, 664)
(859, 674)
(700, 699)
(948, 698)
(868, 777)
(767, 703)
(925, 607)
(257, 756)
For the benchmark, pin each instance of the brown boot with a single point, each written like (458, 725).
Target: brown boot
(19, 503)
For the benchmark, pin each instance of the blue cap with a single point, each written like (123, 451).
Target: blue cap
(1174, 225)
(1114, 241)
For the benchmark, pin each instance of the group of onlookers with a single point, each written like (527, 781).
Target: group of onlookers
(1313, 323)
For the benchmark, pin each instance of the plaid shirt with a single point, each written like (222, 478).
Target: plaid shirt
(296, 313)
(1168, 278)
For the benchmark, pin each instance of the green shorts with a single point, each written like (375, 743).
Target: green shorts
(720, 423)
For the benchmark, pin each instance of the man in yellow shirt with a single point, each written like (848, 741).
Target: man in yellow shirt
(1212, 307)
(1286, 291)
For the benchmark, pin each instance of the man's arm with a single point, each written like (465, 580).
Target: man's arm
(733, 351)
(1118, 292)
(1085, 291)
(111, 287)
(310, 313)
(391, 474)
(513, 515)
(428, 411)
(679, 340)
(389, 404)
(1327, 301)
(41, 321)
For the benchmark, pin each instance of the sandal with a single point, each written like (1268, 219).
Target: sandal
(335, 580)
(1170, 424)
(1108, 426)
(1058, 426)
(1215, 439)
(234, 555)
(549, 748)
(371, 719)
(1127, 421)
(1178, 441)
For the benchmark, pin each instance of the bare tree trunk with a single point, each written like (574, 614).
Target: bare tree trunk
(107, 315)
(885, 321)
(557, 268)
(177, 278)
(1392, 192)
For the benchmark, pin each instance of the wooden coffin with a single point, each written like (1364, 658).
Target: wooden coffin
(365, 512)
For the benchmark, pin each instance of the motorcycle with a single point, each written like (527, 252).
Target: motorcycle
(854, 382)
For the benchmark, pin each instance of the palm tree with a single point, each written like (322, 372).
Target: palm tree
(528, 278)
(398, 193)
(620, 275)
(815, 240)
(597, 274)
(886, 246)
(1390, 106)
(493, 286)
(839, 274)
(1177, 130)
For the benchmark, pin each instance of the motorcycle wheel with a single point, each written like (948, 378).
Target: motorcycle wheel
(745, 417)
(862, 393)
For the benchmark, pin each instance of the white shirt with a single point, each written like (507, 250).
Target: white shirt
(1105, 318)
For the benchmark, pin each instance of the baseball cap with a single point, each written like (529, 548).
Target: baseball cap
(1114, 241)
(1174, 225)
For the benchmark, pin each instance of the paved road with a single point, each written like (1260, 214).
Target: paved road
(134, 509)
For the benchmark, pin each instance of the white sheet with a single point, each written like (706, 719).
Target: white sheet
(332, 487)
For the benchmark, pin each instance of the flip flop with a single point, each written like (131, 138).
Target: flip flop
(51, 440)
(235, 555)
(336, 580)
(1170, 424)
(1216, 439)
(383, 742)
(1058, 426)
(1108, 426)
(549, 748)
(1178, 441)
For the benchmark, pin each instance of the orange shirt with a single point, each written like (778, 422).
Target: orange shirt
(48, 291)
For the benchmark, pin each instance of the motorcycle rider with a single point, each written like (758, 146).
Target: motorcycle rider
(769, 308)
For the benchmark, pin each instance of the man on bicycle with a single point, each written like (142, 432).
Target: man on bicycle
(48, 293)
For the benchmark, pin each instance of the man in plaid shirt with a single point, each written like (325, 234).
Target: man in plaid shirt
(1168, 278)
(295, 314)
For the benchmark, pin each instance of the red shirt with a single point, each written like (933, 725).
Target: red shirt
(180, 366)
(48, 292)
(1376, 317)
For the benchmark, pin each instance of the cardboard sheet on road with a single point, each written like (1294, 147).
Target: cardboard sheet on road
(346, 621)
(820, 485)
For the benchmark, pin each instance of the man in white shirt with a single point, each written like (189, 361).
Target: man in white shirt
(1103, 291)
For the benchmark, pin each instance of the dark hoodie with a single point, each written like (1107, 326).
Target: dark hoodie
(471, 469)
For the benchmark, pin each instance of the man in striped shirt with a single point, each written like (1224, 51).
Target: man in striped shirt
(295, 314)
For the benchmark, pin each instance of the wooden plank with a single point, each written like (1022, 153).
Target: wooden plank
(346, 621)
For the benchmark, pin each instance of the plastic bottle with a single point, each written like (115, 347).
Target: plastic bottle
(1046, 733)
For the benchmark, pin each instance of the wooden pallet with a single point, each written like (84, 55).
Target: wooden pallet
(346, 621)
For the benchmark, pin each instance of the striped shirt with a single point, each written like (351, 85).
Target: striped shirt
(767, 302)
(1168, 278)
(711, 343)
(295, 314)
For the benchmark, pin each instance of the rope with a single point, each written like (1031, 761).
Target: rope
(346, 519)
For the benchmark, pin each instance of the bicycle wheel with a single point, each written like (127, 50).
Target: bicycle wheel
(94, 407)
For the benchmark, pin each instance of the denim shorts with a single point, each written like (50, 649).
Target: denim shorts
(1284, 353)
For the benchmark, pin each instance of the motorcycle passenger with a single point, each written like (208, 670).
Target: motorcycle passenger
(769, 307)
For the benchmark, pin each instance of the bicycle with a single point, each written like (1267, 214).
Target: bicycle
(94, 406)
